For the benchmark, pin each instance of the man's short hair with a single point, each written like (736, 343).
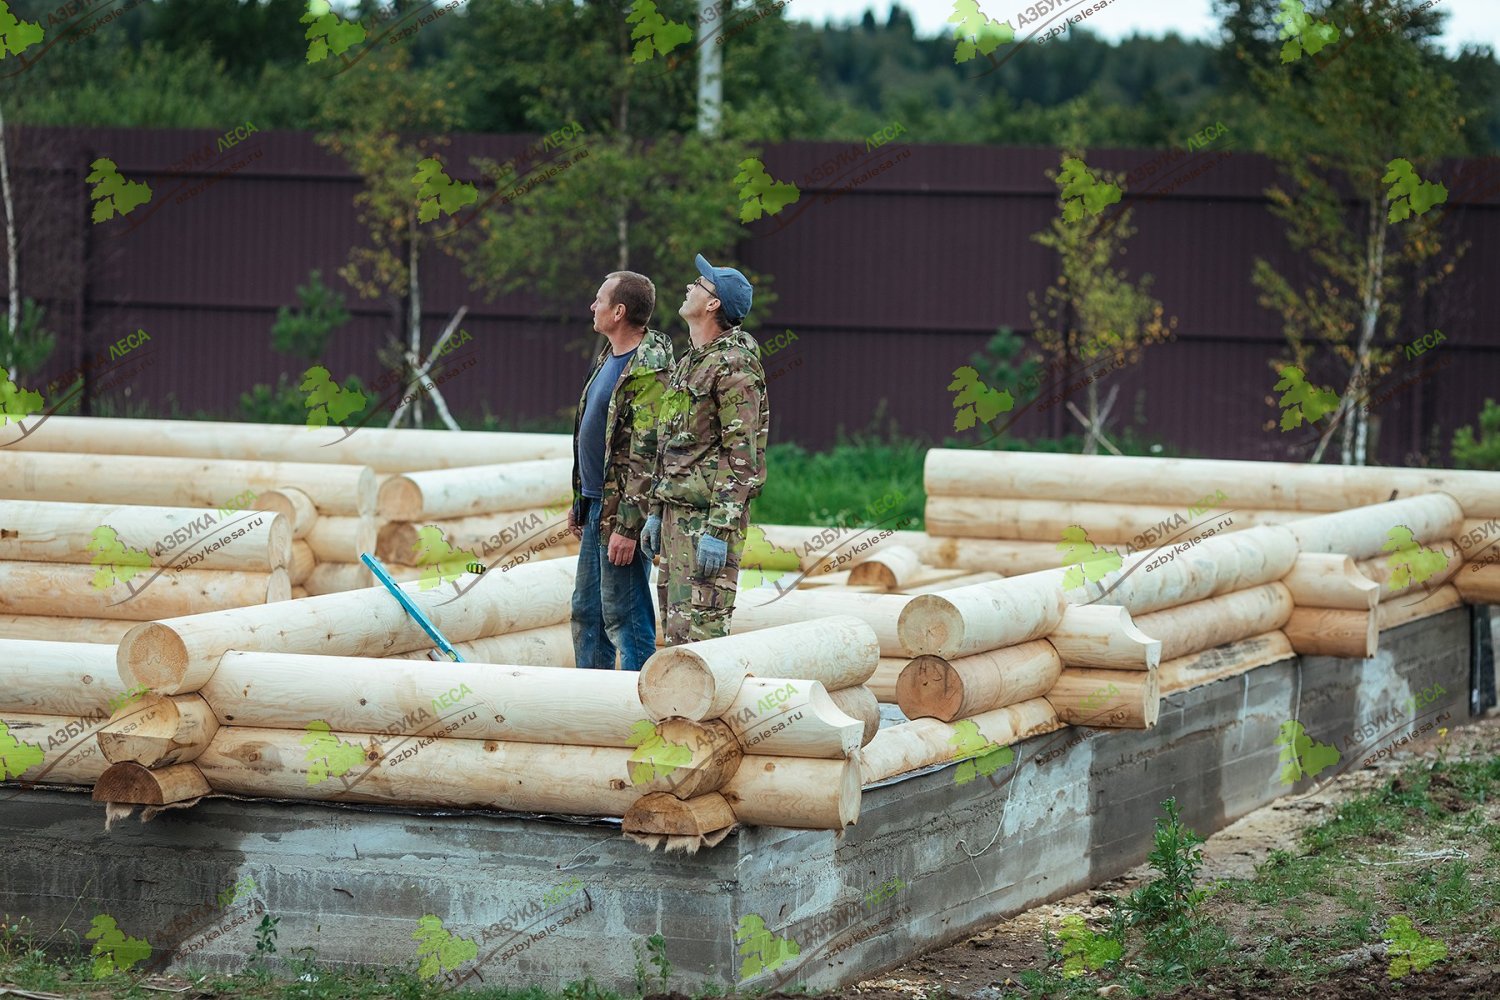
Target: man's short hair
(637, 294)
(725, 323)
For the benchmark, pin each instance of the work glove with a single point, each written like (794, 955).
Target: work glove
(711, 555)
(651, 537)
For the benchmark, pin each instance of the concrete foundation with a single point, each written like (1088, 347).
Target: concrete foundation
(929, 861)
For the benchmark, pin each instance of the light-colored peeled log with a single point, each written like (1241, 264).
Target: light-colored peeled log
(1181, 481)
(549, 646)
(1331, 580)
(889, 568)
(177, 482)
(710, 754)
(1102, 635)
(827, 550)
(1106, 523)
(158, 731)
(1333, 632)
(130, 783)
(791, 718)
(68, 589)
(299, 592)
(937, 688)
(1191, 628)
(1479, 583)
(58, 629)
(294, 505)
(795, 792)
(1115, 699)
(1391, 614)
(924, 742)
(985, 616)
(479, 489)
(302, 563)
(69, 754)
(367, 695)
(1363, 532)
(1478, 536)
(700, 680)
(883, 681)
(382, 449)
(178, 656)
(1164, 578)
(1383, 570)
(58, 678)
(1228, 660)
(63, 533)
(1011, 557)
(342, 539)
(964, 579)
(503, 534)
(761, 609)
(668, 815)
(337, 577)
(860, 704)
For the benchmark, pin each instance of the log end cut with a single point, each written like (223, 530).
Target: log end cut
(131, 784)
(154, 656)
(664, 814)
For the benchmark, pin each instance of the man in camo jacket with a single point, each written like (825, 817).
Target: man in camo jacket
(711, 459)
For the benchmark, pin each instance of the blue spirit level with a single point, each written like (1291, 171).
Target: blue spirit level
(411, 609)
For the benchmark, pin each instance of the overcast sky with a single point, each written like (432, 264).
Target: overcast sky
(1475, 21)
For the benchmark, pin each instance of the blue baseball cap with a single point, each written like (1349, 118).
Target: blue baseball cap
(731, 288)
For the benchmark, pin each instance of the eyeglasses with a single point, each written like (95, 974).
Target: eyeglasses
(699, 282)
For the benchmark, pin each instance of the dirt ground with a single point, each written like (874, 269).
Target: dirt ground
(979, 967)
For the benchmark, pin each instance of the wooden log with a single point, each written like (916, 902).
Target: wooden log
(382, 449)
(701, 680)
(549, 646)
(1478, 582)
(1363, 532)
(159, 731)
(68, 589)
(937, 688)
(1117, 699)
(925, 742)
(177, 656)
(402, 697)
(883, 681)
(1181, 481)
(1478, 536)
(130, 783)
(66, 533)
(342, 539)
(1228, 660)
(819, 550)
(337, 577)
(963, 578)
(1102, 635)
(1333, 632)
(660, 813)
(107, 631)
(1391, 614)
(1009, 557)
(1106, 523)
(889, 568)
(1388, 571)
(683, 758)
(302, 563)
(986, 616)
(299, 592)
(58, 678)
(1331, 580)
(791, 718)
(480, 489)
(294, 505)
(346, 490)
(54, 749)
(1192, 628)
(793, 792)
(759, 610)
(859, 703)
(490, 537)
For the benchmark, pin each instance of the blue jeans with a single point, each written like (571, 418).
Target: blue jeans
(611, 604)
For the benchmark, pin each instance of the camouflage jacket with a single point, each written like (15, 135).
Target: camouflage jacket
(715, 420)
(630, 436)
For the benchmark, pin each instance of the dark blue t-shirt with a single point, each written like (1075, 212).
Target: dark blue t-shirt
(591, 445)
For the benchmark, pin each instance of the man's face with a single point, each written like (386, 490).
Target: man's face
(603, 307)
(695, 303)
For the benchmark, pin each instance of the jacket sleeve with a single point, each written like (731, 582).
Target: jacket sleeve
(636, 501)
(741, 469)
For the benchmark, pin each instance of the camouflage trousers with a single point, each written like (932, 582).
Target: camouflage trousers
(694, 609)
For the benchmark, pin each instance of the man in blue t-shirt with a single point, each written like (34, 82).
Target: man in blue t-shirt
(614, 456)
